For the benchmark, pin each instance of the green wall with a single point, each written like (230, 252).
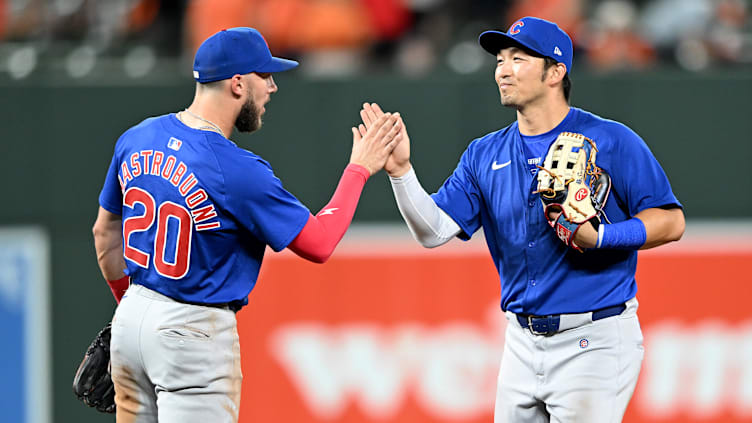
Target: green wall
(57, 142)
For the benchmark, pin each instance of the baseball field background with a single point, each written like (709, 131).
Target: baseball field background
(386, 331)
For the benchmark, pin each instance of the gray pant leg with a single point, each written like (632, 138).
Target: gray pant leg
(180, 362)
(135, 398)
(517, 383)
(582, 375)
(594, 384)
(192, 355)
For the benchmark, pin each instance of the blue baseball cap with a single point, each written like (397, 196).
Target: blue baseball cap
(235, 51)
(535, 34)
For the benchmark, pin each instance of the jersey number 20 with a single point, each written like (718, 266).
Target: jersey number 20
(167, 210)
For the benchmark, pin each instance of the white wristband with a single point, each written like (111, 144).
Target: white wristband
(600, 235)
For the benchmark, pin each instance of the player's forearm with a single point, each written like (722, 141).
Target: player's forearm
(321, 234)
(661, 226)
(110, 256)
(647, 229)
(108, 238)
(429, 225)
(107, 242)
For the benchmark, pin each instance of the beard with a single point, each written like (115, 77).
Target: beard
(249, 118)
(507, 101)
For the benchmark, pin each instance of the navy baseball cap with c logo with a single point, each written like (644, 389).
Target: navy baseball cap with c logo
(535, 34)
(235, 51)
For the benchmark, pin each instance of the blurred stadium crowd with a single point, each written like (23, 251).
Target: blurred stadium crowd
(132, 38)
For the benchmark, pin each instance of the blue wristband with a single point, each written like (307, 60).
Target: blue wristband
(627, 235)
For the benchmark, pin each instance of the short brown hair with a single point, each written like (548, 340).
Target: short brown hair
(566, 83)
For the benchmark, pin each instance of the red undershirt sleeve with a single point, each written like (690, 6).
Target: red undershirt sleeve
(321, 234)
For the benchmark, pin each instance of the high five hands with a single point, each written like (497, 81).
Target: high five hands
(372, 146)
(398, 162)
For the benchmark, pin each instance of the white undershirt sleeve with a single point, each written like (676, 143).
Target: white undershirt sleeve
(429, 225)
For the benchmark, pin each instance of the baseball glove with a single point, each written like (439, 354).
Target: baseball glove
(571, 183)
(92, 383)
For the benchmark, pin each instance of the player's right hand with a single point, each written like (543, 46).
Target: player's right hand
(372, 146)
(398, 162)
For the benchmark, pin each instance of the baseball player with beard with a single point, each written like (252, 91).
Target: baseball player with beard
(573, 345)
(184, 220)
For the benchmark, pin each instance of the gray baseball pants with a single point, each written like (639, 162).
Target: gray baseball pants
(174, 362)
(584, 374)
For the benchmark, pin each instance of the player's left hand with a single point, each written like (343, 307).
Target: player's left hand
(573, 190)
(398, 162)
(372, 146)
(585, 237)
(92, 383)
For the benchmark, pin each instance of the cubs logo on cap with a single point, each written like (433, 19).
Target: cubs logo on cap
(515, 28)
(537, 35)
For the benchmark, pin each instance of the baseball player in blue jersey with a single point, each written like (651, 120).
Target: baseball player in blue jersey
(185, 217)
(573, 345)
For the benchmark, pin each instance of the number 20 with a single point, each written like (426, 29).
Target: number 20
(141, 223)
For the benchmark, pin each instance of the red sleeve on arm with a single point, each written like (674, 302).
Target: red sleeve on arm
(118, 287)
(321, 234)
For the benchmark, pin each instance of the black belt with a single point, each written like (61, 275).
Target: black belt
(549, 325)
(233, 306)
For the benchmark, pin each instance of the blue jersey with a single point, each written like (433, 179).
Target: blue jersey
(492, 187)
(198, 211)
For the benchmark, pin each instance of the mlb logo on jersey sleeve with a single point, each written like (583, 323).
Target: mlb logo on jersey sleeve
(174, 143)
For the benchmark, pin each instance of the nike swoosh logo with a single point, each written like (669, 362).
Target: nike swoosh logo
(496, 166)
